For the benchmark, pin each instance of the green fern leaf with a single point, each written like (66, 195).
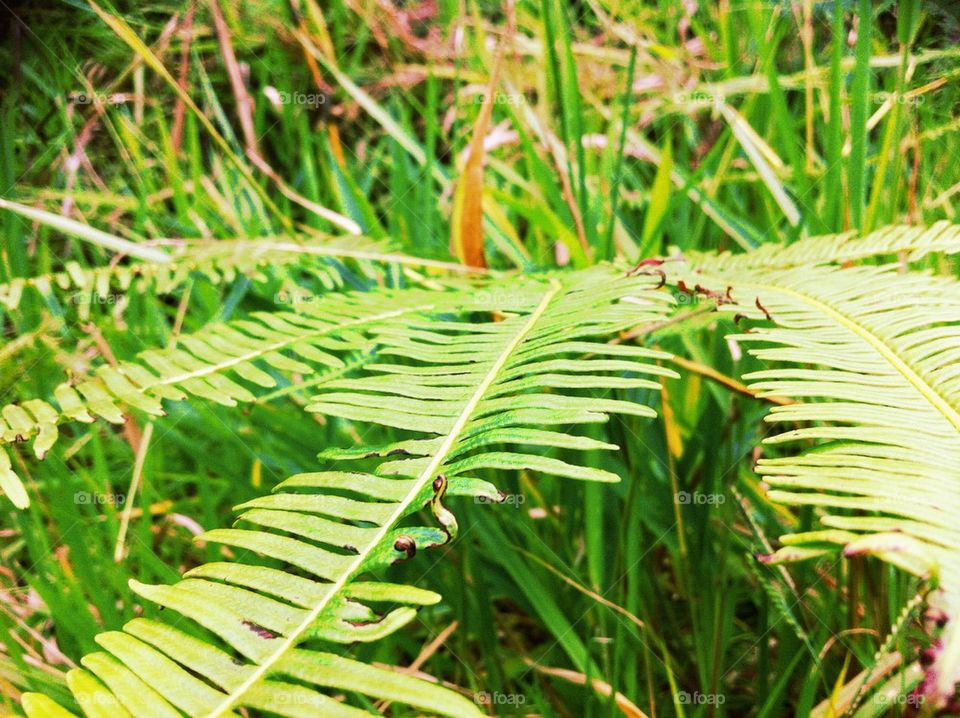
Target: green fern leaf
(161, 271)
(913, 242)
(525, 375)
(334, 528)
(217, 261)
(873, 356)
(223, 363)
(254, 616)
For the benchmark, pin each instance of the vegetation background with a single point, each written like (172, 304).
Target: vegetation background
(610, 130)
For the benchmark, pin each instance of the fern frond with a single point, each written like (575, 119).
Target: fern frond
(466, 386)
(914, 242)
(218, 261)
(530, 362)
(218, 363)
(249, 617)
(160, 271)
(874, 357)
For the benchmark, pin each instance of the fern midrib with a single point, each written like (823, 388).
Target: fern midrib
(882, 348)
(425, 477)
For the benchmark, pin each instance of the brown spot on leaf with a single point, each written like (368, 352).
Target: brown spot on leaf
(406, 544)
(260, 630)
(764, 310)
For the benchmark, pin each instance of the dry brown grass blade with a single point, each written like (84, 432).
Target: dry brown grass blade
(584, 590)
(552, 145)
(71, 162)
(243, 99)
(123, 30)
(335, 218)
(860, 684)
(321, 36)
(626, 706)
(425, 653)
(466, 225)
(180, 109)
(727, 381)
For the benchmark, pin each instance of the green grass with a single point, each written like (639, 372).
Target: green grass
(584, 170)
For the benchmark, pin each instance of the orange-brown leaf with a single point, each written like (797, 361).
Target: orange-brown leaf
(466, 236)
